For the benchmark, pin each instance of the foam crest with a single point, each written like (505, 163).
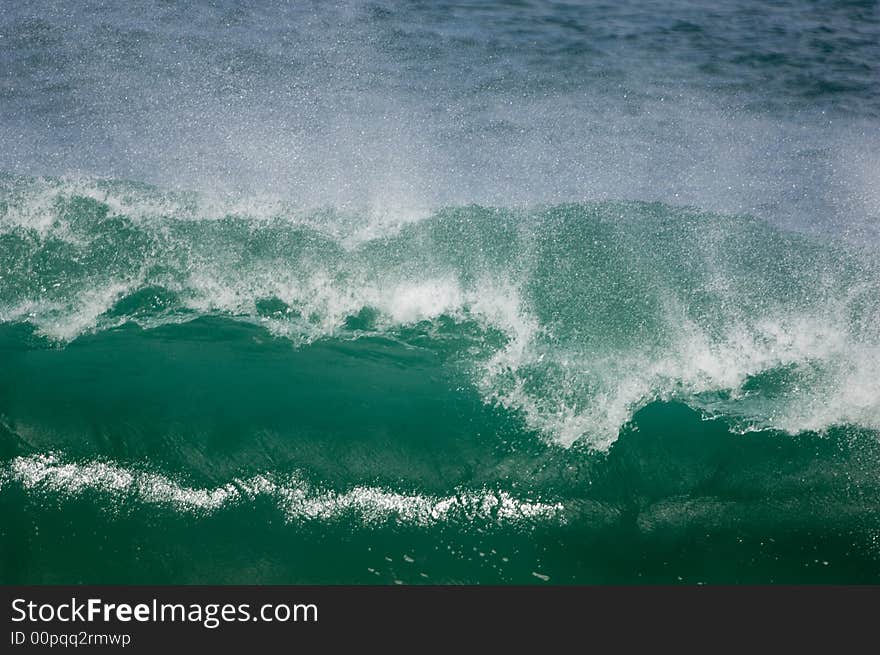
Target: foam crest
(64, 320)
(38, 204)
(584, 397)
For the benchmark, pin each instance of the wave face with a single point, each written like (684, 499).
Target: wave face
(580, 369)
(575, 316)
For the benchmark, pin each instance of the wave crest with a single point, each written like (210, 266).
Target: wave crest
(574, 315)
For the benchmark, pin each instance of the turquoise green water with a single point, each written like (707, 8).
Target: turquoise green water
(605, 392)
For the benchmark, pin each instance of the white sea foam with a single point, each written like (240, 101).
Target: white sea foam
(297, 499)
(590, 396)
(64, 320)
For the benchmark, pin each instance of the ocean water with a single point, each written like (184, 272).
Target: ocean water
(428, 293)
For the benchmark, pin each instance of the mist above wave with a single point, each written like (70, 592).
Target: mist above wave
(769, 110)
